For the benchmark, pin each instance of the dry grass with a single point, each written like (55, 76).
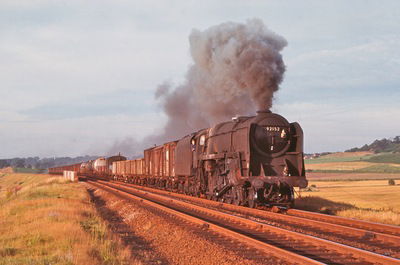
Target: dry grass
(372, 200)
(47, 220)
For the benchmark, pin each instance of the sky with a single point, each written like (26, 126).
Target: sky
(78, 76)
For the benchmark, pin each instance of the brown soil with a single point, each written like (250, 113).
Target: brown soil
(156, 239)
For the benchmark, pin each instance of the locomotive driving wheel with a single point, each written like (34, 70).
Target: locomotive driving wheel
(283, 195)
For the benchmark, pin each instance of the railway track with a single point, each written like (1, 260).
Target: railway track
(375, 237)
(252, 231)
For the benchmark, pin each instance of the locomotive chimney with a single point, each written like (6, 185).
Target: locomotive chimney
(264, 111)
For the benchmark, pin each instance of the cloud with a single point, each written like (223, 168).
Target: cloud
(10, 116)
(67, 68)
(126, 102)
(73, 137)
(359, 67)
(337, 127)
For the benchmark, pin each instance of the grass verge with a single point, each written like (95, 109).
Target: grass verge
(48, 220)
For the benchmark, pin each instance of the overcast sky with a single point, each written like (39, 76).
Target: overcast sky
(76, 76)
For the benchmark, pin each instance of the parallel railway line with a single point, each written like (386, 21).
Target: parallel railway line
(250, 226)
(376, 237)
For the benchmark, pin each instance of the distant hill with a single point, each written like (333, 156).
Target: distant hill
(380, 146)
(42, 163)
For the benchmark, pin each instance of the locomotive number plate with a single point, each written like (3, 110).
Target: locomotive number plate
(272, 129)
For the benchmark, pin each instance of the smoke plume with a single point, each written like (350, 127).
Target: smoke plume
(237, 68)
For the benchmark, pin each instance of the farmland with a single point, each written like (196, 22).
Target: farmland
(372, 200)
(354, 185)
(357, 162)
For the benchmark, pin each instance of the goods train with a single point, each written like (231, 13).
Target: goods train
(250, 161)
(100, 168)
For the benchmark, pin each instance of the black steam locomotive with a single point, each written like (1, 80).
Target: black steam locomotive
(248, 161)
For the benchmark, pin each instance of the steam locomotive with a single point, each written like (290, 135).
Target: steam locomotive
(249, 161)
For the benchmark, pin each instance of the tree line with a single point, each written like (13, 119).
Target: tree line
(43, 163)
(379, 146)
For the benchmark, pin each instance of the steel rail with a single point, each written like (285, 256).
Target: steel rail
(360, 224)
(289, 235)
(328, 225)
(256, 244)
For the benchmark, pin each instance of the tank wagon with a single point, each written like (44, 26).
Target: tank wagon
(251, 161)
(100, 168)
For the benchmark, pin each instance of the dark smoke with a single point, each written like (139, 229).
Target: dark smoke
(237, 68)
(235, 64)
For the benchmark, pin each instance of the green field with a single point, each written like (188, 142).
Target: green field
(355, 163)
(29, 170)
(380, 169)
(325, 159)
(386, 158)
(375, 158)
